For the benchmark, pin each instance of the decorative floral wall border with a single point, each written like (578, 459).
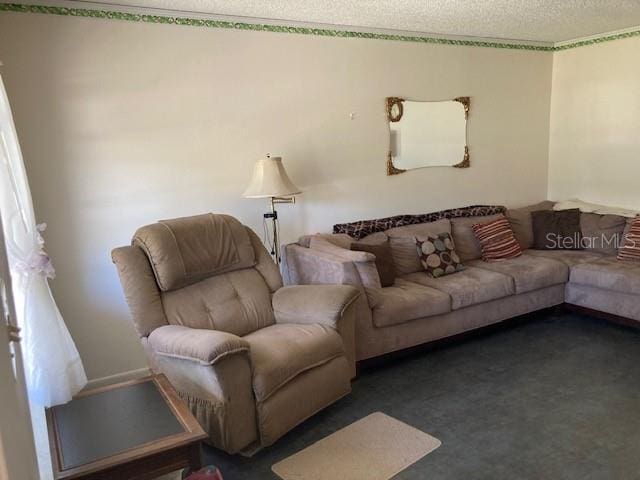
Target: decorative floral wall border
(595, 41)
(195, 22)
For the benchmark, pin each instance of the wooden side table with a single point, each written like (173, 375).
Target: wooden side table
(133, 430)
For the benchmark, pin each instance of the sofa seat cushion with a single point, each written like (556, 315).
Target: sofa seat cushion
(406, 301)
(529, 272)
(609, 273)
(469, 287)
(281, 352)
(568, 257)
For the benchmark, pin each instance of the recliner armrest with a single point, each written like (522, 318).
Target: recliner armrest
(205, 347)
(324, 304)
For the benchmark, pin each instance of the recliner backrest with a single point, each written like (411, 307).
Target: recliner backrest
(183, 251)
(209, 271)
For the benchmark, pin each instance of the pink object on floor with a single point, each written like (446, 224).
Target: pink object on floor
(206, 473)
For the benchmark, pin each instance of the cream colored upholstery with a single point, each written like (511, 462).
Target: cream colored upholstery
(418, 309)
(281, 352)
(251, 358)
(609, 273)
(529, 272)
(570, 258)
(468, 287)
(405, 301)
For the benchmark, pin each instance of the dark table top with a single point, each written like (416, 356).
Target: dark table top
(112, 422)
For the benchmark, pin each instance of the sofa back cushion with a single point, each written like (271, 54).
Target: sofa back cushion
(403, 243)
(521, 224)
(374, 238)
(237, 302)
(557, 230)
(602, 233)
(467, 245)
(183, 251)
(384, 260)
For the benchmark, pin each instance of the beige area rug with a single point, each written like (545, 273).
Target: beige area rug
(376, 447)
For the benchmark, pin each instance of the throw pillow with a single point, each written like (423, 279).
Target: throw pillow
(384, 260)
(438, 255)
(466, 242)
(520, 220)
(557, 230)
(497, 240)
(630, 250)
(403, 243)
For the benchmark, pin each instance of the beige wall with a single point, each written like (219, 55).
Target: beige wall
(123, 123)
(594, 151)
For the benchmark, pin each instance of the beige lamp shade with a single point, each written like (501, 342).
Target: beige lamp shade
(270, 180)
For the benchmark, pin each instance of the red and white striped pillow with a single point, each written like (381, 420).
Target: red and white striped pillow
(630, 250)
(497, 240)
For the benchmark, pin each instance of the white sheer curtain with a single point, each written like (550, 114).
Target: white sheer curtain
(53, 369)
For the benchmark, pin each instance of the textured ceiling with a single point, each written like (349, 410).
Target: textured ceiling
(532, 20)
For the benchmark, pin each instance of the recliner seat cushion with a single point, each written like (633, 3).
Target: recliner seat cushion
(301, 398)
(608, 273)
(406, 301)
(469, 287)
(281, 352)
(235, 302)
(528, 272)
(186, 250)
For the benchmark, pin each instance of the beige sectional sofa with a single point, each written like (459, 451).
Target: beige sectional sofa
(418, 309)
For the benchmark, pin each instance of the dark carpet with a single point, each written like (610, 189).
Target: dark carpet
(555, 397)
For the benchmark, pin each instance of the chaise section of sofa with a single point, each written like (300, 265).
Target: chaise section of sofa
(608, 285)
(418, 308)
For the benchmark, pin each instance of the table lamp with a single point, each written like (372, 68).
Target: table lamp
(270, 180)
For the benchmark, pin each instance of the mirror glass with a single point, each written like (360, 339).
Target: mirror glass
(428, 134)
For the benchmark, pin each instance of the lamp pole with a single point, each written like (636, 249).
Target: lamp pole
(273, 215)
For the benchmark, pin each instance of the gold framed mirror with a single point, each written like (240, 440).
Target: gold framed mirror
(427, 134)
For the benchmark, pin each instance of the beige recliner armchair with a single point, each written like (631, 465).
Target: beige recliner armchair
(252, 358)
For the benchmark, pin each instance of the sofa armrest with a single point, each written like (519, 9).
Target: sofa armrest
(324, 245)
(323, 304)
(205, 347)
(331, 305)
(364, 262)
(330, 264)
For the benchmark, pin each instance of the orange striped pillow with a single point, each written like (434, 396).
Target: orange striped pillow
(497, 240)
(630, 250)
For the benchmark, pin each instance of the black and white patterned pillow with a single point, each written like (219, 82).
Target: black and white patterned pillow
(438, 255)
